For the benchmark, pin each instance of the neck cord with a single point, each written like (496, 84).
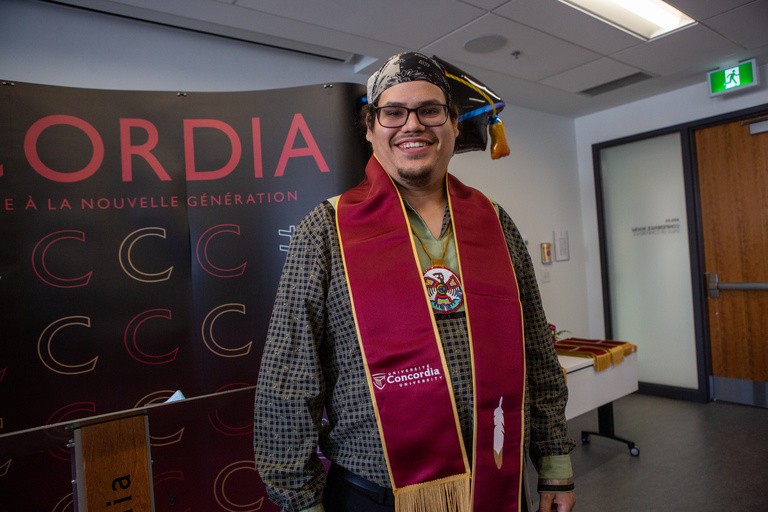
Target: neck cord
(435, 261)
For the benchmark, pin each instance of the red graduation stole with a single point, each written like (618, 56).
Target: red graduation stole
(604, 353)
(404, 360)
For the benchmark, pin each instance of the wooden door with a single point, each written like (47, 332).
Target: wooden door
(733, 183)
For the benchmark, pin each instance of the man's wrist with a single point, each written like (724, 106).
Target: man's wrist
(555, 485)
(555, 474)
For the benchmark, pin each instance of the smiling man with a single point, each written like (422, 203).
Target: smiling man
(408, 312)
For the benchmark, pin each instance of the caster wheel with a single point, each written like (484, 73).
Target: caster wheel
(634, 451)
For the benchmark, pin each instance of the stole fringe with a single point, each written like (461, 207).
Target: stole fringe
(450, 495)
(603, 352)
(601, 361)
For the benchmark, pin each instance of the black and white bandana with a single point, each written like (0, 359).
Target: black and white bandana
(407, 67)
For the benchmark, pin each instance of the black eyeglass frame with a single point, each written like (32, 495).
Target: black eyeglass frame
(446, 109)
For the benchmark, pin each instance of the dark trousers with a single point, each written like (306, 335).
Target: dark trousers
(347, 492)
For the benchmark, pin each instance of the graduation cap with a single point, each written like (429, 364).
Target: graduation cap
(478, 108)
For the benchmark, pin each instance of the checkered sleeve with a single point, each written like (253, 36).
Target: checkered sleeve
(547, 393)
(290, 388)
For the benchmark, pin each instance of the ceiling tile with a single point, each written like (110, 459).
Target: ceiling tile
(567, 23)
(701, 10)
(541, 55)
(694, 47)
(590, 75)
(412, 24)
(746, 26)
(488, 5)
(236, 21)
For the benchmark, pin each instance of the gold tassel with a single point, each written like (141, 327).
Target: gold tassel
(617, 354)
(629, 348)
(499, 147)
(602, 361)
(449, 494)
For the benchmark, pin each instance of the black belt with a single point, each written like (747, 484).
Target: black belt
(379, 494)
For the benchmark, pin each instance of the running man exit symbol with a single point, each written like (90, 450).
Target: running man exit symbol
(734, 78)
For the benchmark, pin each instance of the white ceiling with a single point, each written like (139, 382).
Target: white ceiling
(561, 51)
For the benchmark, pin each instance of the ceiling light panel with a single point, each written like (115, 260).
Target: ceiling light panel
(645, 19)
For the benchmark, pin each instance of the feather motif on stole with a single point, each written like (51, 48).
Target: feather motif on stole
(498, 434)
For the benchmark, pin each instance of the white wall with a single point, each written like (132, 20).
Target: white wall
(681, 106)
(537, 184)
(58, 45)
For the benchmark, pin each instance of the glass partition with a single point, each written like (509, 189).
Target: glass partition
(647, 257)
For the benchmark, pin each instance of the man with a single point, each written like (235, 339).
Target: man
(408, 312)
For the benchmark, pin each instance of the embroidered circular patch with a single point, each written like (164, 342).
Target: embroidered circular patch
(444, 289)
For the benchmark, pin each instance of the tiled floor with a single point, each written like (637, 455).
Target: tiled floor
(693, 458)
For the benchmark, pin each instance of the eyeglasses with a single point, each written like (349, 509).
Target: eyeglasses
(428, 115)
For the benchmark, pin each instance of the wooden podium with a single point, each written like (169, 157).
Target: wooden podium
(112, 465)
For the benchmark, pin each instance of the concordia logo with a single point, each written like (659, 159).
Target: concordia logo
(407, 377)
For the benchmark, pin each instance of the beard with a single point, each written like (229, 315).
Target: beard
(415, 177)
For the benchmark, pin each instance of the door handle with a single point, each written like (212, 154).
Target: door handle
(714, 286)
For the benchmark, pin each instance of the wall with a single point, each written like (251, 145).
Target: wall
(59, 45)
(50, 44)
(684, 105)
(537, 186)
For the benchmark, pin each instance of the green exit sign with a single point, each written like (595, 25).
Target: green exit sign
(736, 78)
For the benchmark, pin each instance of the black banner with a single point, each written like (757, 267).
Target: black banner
(141, 239)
